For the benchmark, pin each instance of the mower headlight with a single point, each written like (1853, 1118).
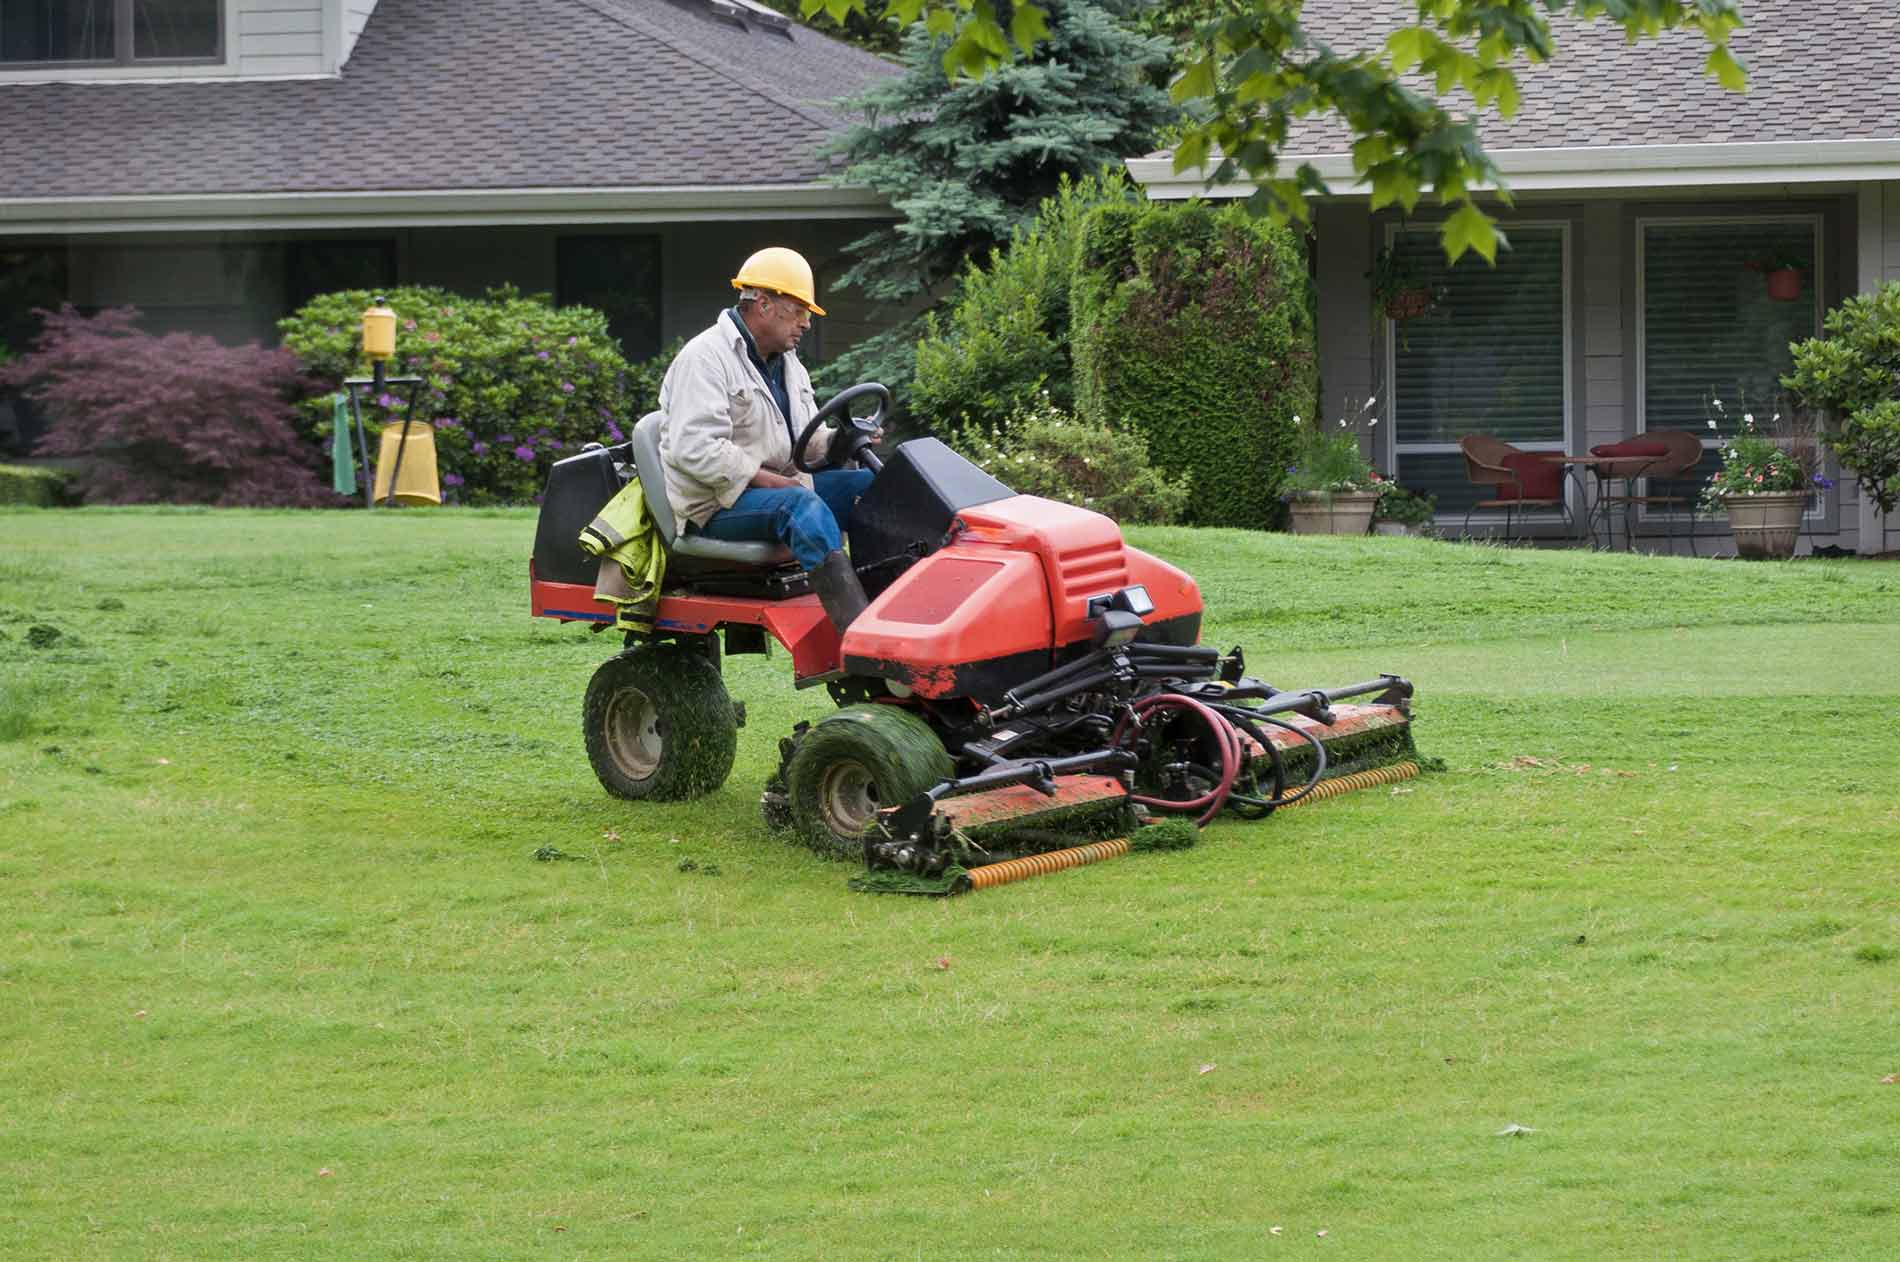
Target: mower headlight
(1114, 628)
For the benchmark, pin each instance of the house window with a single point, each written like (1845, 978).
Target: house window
(35, 33)
(1489, 358)
(1714, 325)
(620, 277)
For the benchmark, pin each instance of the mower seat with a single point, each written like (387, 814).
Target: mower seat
(646, 458)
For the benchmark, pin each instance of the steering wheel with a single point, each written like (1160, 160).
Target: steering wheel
(853, 439)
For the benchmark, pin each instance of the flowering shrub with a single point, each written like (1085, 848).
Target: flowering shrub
(511, 383)
(1329, 458)
(1753, 463)
(177, 419)
(1048, 452)
(1853, 373)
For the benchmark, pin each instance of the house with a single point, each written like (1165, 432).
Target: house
(217, 162)
(1650, 203)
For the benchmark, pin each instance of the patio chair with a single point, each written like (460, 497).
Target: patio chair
(1656, 456)
(1518, 480)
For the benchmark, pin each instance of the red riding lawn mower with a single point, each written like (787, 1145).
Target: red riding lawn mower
(1025, 691)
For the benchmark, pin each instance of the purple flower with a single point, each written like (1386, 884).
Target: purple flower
(1825, 483)
(504, 439)
(567, 387)
(524, 452)
(555, 443)
(573, 341)
(447, 422)
(540, 354)
(451, 479)
(613, 432)
(479, 448)
(606, 414)
(385, 401)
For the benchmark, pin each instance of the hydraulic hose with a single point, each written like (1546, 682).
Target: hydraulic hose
(1223, 725)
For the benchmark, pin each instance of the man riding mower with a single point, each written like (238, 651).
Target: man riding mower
(1009, 677)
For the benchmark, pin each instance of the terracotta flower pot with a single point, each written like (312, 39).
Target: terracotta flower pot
(1337, 513)
(1765, 526)
(1784, 284)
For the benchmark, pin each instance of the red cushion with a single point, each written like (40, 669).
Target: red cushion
(1631, 447)
(1539, 479)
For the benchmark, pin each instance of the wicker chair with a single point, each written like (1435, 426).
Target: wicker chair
(1682, 453)
(1518, 480)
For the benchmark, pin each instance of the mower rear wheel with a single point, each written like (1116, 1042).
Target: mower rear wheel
(852, 762)
(658, 724)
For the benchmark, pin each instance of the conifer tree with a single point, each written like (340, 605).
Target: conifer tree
(966, 161)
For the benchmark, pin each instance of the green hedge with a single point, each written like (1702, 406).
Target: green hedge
(33, 486)
(1195, 327)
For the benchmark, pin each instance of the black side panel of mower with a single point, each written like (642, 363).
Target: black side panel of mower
(918, 492)
(577, 489)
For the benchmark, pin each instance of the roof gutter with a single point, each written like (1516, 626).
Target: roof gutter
(1592, 168)
(229, 212)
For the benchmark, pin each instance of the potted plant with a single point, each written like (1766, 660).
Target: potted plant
(1331, 488)
(1763, 486)
(1403, 512)
(1782, 269)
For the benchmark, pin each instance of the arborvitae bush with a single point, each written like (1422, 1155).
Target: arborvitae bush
(176, 419)
(511, 383)
(1001, 345)
(1195, 327)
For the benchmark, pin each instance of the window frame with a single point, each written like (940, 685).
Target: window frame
(1388, 447)
(1817, 222)
(122, 45)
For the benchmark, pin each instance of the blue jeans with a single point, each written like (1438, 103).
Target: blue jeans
(812, 526)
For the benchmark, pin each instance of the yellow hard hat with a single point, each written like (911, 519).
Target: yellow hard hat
(782, 271)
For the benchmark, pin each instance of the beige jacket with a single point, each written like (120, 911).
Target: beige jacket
(722, 424)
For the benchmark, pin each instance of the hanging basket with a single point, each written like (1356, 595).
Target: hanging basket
(1408, 304)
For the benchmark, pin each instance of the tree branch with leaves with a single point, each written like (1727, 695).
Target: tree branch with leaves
(1251, 69)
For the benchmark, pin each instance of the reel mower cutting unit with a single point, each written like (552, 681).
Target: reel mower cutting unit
(1025, 691)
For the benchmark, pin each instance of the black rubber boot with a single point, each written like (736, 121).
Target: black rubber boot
(838, 589)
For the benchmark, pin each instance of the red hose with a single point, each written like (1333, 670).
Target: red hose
(1225, 736)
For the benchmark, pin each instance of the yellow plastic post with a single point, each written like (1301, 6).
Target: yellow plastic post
(379, 331)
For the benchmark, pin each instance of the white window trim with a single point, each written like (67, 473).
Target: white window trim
(1817, 223)
(1389, 446)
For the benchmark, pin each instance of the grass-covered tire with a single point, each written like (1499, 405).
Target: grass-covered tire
(852, 762)
(659, 724)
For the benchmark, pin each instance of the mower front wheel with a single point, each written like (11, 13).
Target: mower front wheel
(659, 724)
(853, 762)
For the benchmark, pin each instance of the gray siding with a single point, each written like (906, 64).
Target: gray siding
(280, 37)
(355, 18)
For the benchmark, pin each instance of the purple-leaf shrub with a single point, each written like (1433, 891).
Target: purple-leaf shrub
(177, 419)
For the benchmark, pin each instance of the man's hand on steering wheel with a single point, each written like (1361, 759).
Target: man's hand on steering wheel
(855, 434)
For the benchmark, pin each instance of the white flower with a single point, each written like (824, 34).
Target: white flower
(1711, 424)
(1296, 418)
(1718, 405)
(1372, 422)
(1748, 419)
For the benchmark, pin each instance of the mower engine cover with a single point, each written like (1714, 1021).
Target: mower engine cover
(1010, 597)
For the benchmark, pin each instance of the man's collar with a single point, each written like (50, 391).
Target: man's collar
(751, 344)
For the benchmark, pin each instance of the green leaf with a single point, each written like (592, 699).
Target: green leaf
(1028, 26)
(1407, 47)
(1197, 81)
(1469, 228)
(1727, 71)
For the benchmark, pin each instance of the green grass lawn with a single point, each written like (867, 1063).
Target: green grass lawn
(282, 978)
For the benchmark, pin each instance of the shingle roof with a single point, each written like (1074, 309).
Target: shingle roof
(1817, 70)
(461, 94)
